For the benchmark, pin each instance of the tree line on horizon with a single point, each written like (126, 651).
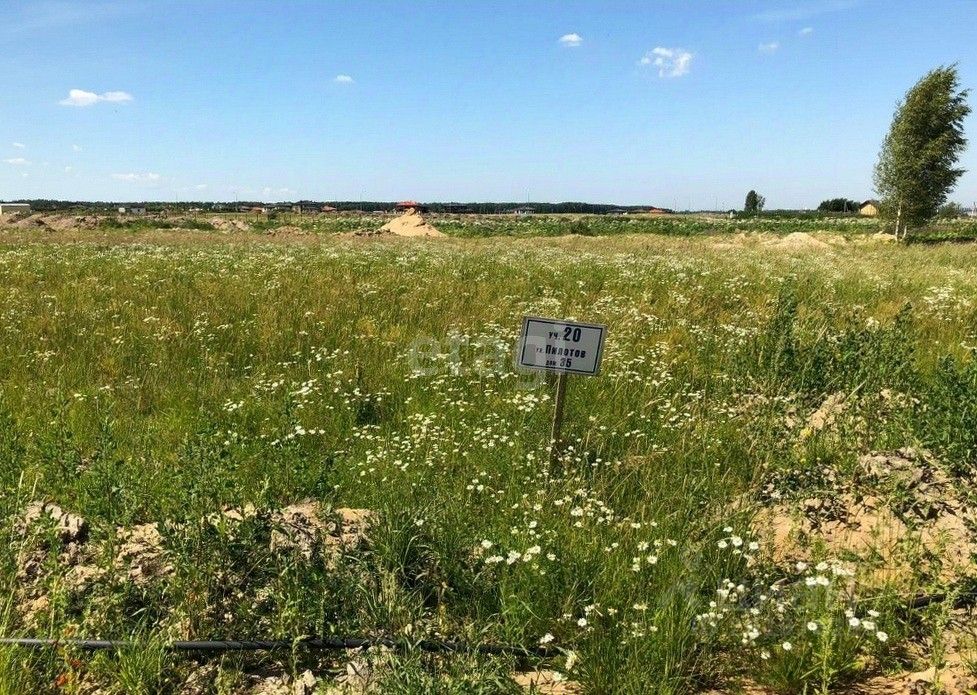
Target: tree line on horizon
(51, 205)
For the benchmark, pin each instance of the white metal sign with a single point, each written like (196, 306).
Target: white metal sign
(560, 346)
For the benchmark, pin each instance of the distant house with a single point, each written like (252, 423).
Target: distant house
(11, 208)
(328, 208)
(617, 211)
(405, 205)
(660, 211)
(137, 211)
(870, 208)
(524, 210)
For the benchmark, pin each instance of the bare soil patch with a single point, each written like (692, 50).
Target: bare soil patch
(411, 224)
(902, 517)
(225, 224)
(796, 241)
(545, 682)
(52, 222)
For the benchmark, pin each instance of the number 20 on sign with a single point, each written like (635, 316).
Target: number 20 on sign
(561, 347)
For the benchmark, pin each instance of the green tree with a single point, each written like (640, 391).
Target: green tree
(838, 205)
(951, 211)
(751, 202)
(916, 168)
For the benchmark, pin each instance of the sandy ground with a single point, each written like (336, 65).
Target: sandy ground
(411, 224)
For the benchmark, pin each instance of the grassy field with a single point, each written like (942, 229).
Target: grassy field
(177, 394)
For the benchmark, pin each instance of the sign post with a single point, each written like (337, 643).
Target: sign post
(556, 431)
(560, 348)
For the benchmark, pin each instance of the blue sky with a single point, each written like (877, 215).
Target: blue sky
(467, 101)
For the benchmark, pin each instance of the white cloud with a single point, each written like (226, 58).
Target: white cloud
(79, 97)
(571, 40)
(806, 31)
(17, 161)
(671, 62)
(200, 186)
(147, 177)
(19, 145)
(76, 148)
(768, 47)
(344, 79)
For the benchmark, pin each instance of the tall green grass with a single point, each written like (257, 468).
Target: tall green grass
(163, 383)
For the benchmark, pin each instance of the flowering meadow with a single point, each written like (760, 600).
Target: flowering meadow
(173, 400)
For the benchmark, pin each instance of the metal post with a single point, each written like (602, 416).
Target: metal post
(556, 431)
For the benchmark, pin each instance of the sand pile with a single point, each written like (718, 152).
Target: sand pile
(224, 224)
(32, 221)
(52, 222)
(798, 241)
(410, 224)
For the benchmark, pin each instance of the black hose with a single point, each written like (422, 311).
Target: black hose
(314, 643)
(966, 599)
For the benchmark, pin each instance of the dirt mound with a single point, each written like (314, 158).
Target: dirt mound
(65, 223)
(954, 677)
(547, 682)
(45, 529)
(10, 219)
(141, 554)
(305, 527)
(34, 221)
(297, 528)
(826, 415)
(411, 224)
(232, 515)
(224, 224)
(304, 684)
(18, 221)
(900, 514)
(360, 676)
(70, 528)
(797, 241)
(55, 223)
